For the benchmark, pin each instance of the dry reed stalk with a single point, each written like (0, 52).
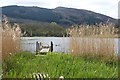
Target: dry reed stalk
(0, 42)
(93, 40)
(10, 38)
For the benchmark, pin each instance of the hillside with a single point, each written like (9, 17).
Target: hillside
(61, 15)
(79, 16)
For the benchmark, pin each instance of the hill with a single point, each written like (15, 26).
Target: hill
(61, 15)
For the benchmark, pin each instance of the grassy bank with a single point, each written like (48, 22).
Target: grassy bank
(25, 64)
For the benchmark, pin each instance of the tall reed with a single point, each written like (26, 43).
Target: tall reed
(93, 40)
(10, 37)
(0, 40)
(0, 49)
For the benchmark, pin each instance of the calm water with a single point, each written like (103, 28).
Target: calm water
(60, 44)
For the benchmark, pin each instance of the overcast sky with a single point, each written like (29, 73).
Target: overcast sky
(107, 7)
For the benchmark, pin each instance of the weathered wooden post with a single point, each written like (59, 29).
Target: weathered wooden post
(51, 47)
(37, 47)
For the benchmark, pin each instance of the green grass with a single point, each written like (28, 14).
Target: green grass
(25, 64)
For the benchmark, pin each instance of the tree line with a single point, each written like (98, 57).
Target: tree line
(42, 29)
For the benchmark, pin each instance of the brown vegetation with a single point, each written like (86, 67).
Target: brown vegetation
(10, 37)
(93, 40)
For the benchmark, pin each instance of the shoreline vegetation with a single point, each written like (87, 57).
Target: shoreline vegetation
(83, 40)
(42, 29)
(10, 37)
(24, 64)
(84, 61)
(55, 30)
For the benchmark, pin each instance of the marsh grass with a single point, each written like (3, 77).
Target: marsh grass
(10, 37)
(93, 40)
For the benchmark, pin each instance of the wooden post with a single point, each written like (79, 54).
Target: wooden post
(51, 47)
(37, 47)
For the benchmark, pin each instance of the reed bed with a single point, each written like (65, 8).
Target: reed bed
(10, 37)
(93, 40)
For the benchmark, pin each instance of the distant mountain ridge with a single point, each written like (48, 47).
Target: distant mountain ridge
(61, 15)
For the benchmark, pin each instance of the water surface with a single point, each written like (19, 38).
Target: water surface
(60, 44)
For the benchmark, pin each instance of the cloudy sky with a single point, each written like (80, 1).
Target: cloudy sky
(107, 7)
